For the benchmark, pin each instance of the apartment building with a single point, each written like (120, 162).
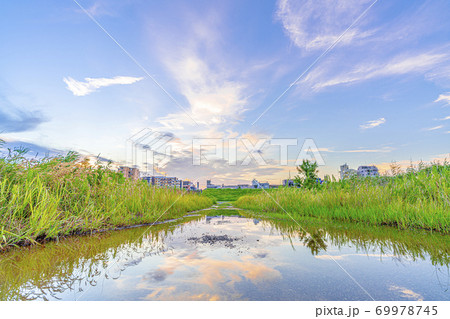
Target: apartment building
(346, 172)
(164, 181)
(365, 171)
(362, 171)
(129, 172)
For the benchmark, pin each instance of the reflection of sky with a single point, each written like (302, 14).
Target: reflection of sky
(264, 265)
(212, 278)
(261, 264)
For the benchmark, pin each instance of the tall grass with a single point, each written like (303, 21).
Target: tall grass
(60, 196)
(418, 199)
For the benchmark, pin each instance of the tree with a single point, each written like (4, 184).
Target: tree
(307, 177)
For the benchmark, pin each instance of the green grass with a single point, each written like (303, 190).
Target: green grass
(229, 195)
(418, 199)
(59, 196)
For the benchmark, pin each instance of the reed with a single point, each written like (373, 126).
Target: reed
(417, 199)
(43, 199)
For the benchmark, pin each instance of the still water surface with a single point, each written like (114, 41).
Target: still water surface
(232, 258)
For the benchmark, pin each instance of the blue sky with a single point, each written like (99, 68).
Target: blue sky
(382, 94)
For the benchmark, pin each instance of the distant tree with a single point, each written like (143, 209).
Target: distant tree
(307, 175)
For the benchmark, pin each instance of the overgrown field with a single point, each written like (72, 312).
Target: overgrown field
(228, 194)
(418, 199)
(60, 196)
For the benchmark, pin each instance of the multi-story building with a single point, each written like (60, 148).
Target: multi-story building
(256, 184)
(129, 172)
(288, 182)
(347, 172)
(365, 171)
(163, 181)
(188, 185)
(210, 185)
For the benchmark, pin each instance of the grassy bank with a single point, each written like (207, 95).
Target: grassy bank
(419, 199)
(59, 196)
(228, 194)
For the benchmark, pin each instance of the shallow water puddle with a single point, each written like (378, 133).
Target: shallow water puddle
(232, 258)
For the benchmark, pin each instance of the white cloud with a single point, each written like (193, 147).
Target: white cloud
(213, 99)
(212, 85)
(444, 118)
(434, 128)
(375, 52)
(444, 98)
(316, 24)
(379, 150)
(406, 293)
(326, 75)
(104, 7)
(94, 9)
(440, 76)
(90, 85)
(372, 124)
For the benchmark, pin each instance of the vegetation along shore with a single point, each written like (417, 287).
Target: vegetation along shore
(44, 199)
(419, 198)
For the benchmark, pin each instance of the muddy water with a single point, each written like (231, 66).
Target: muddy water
(233, 258)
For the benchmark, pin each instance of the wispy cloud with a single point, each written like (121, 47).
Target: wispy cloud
(372, 124)
(444, 98)
(90, 85)
(326, 75)
(13, 119)
(444, 118)
(95, 9)
(379, 150)
(104, 7)
(316, 24)
(433, 128)
(366, 51)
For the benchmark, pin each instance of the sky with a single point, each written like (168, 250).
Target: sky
(367, 81)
